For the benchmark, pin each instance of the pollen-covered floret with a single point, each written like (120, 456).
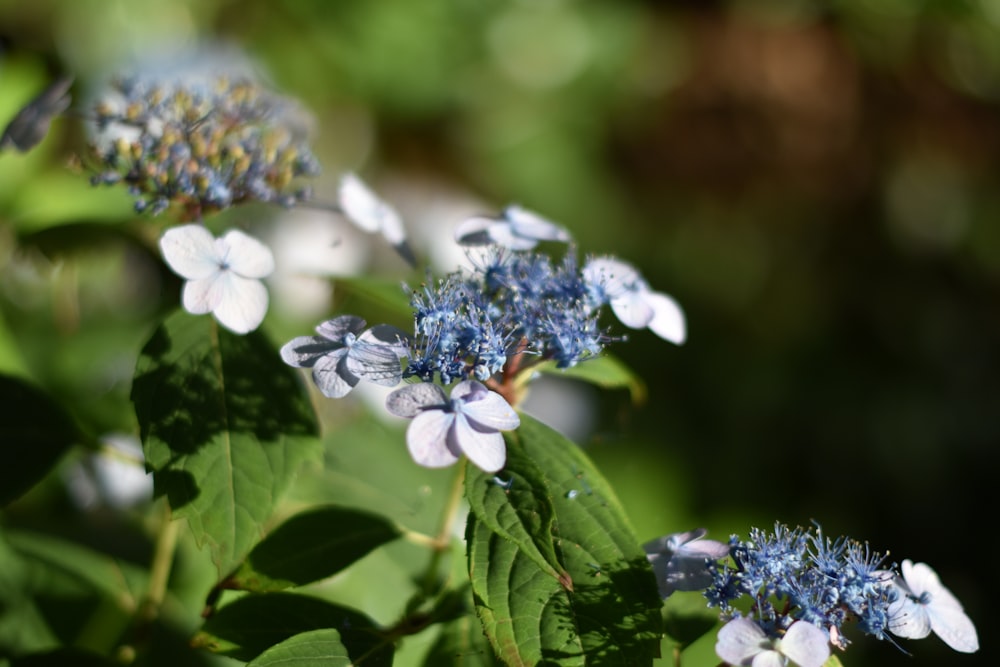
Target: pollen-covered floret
(204, 144)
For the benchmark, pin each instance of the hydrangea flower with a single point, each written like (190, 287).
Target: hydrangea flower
(681, 561)
(344, 353)
(633, 302)
(743, 642)
(515, 228)
(443, 428)
(372, 215)
(32, 122)
(223, 275)
(202, 142)
(925, 606)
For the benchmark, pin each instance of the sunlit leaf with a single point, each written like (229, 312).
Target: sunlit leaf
(35, 432)
(516, 505)
(246, 627)
(605, 371)
(316, 648)
(312, 545)
(607, 612)
(225, 426)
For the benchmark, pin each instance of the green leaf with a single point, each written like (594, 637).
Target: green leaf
(461, 644)
(516, 505)
(225, 426)
(246, 627)
(833, 661)
(608, 612)
(316, 648)
(35, 433)
(312, 545)
(605, 371)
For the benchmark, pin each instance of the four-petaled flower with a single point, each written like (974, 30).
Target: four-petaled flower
(631, 299)
(343, 354)
(223, 275)
(924, 605)
(681, 561)
(743, 642)
(443, 429)
(515, 228)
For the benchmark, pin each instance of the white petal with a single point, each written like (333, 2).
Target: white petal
(530, 225)
(491, 411)
(614, 276)
(247, 256)
(632, 309)
(331, 375)
(908, 618)
(486, 449)
(304, 351)
(805, 644)
(337, 328)
(954, 628)
(769, 658)
(360, 204)
(203, 295)
(739, 641)
(413, 399)
(668, 319)
(190, 251)
(374, 361)
(427, 436)
(243, 304)
(502, 234)
(921, 578)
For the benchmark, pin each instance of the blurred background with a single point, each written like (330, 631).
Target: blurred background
(817, 183)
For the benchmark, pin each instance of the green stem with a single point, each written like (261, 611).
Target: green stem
(442, 541)
(159, 569)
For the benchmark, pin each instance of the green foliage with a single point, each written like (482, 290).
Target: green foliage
(225, 427)
(245, 628)
(311, 545)
(602, 608)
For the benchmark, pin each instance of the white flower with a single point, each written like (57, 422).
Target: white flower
(515, 228)
(372, 215)
(924, 605)
(633, 302)
(681, 561)
(743, 642)
(443, 429)
(223, 275)
(344, 354)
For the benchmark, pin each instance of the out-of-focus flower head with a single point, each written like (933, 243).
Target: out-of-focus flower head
(203, 143)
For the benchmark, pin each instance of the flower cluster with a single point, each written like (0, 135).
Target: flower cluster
(204, 144)
(481, 329)
(802, 587)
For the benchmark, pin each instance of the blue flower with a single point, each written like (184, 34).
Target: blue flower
(372, 215)
(681, 561)
(443, 429)
(343, 354)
